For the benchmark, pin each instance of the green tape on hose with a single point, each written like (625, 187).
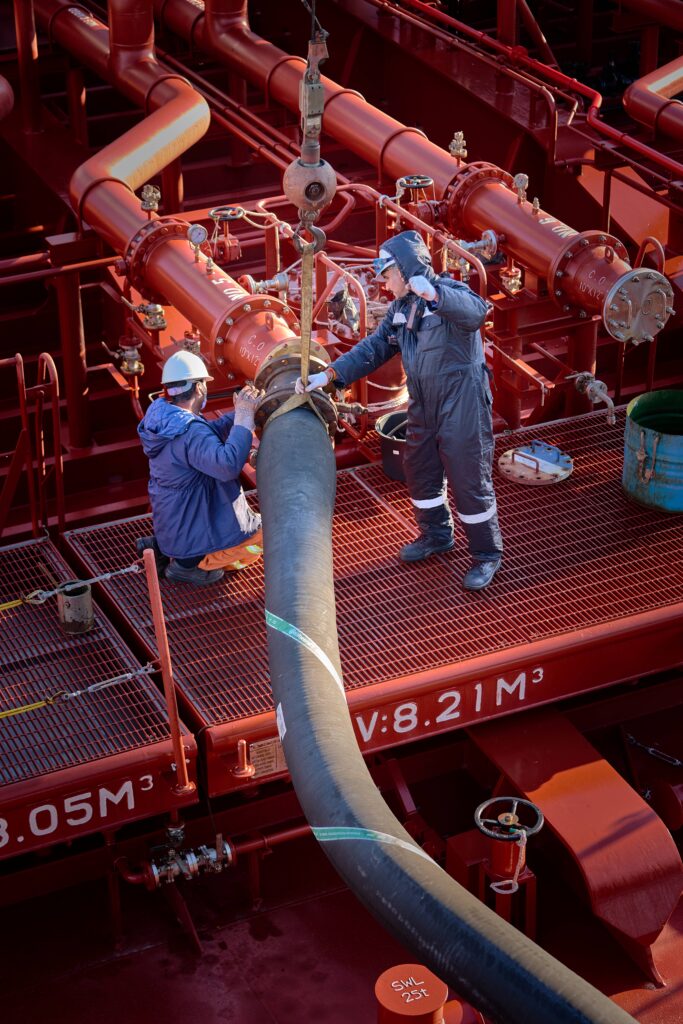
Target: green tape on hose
(330, 834)
(275, 622)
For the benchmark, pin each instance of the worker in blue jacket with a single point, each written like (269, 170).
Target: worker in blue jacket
(202, 521)
(434, 323)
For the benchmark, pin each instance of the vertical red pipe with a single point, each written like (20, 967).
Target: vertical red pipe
(27, 55)
(67, 287)
(183, 785)
(506, 22)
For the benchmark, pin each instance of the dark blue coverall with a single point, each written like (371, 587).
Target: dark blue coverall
(450, 430)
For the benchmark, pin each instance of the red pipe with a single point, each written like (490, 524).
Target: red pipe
(651, 100)
(72, 336)
(479, 196)
(6, 97)
(102, 188)
(183, 784)
(661, 12)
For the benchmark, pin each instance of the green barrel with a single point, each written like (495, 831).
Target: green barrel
(653, 450)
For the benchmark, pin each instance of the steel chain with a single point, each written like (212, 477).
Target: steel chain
(62, 696)
(41, 596)
(653, 752)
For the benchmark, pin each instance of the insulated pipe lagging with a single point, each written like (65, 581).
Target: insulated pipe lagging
(484, 959)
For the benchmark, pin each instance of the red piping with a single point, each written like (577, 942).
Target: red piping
(651, 101)
(102, 188)
(518, 56)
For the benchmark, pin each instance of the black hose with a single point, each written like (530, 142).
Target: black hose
(484, 959)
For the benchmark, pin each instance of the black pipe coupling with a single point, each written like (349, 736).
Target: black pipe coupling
(277, 377)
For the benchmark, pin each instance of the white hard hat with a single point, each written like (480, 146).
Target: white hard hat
(184, 366)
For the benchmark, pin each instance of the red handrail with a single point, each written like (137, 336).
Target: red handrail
(22, 456)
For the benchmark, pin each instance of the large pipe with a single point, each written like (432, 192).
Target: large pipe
(6, 98)
(486, 960)
(239, 328)
(585, 273)
(652, 100)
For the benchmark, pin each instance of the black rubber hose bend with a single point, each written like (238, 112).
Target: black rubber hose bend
(484, 959)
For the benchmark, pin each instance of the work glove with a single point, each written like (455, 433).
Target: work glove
(421, 287)
(316, 380)
(245, 402)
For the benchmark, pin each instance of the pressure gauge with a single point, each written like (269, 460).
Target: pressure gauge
(197, 235)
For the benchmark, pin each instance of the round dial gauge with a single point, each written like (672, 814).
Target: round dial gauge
(197, 234)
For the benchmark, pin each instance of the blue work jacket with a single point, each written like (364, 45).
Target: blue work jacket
(198, 505)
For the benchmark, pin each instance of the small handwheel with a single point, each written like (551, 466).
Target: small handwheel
(223, 213)
(507, 825)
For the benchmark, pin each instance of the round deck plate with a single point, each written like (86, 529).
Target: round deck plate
(536, 464)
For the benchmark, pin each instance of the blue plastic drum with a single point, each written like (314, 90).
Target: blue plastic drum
(653, 450)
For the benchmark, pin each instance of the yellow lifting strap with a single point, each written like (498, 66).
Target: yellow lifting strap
(11, 604)
(308, 250)
(32, 707)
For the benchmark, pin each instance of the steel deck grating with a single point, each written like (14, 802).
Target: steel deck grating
(577, 554)
(37, 660)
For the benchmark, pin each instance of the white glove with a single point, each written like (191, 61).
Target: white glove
(316, 380)
(421, 286)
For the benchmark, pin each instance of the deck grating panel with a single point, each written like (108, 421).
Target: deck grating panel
(577, 554)
(37, 660)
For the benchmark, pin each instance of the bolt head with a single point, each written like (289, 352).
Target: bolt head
(229, 321)
(558, 291)
(583, 243)
(219, 341)
(220, 360)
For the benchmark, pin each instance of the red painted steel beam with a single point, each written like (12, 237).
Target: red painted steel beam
(477, 690)
(652, 100)
(581, 278)
(94, 797)
(27, 56)
(102, 189)
(662, 12)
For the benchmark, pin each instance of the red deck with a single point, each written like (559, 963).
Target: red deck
(88, 763)
(572, 609)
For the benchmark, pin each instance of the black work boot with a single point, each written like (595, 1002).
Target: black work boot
(425, 545)
(480, 574)
(141, 545)
(196, 576)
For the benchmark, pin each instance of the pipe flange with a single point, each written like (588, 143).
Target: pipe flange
(268, 304)
(578, 245)
(141, 246)
(277, 376)
(464, 184)
(277, 398)
(638, 305)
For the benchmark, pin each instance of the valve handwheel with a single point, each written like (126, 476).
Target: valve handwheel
(507, 825)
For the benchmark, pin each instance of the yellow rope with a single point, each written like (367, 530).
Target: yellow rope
(30, 707)
(11, 604)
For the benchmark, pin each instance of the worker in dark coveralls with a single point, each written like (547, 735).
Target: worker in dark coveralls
(202, 522)
(434, 322)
